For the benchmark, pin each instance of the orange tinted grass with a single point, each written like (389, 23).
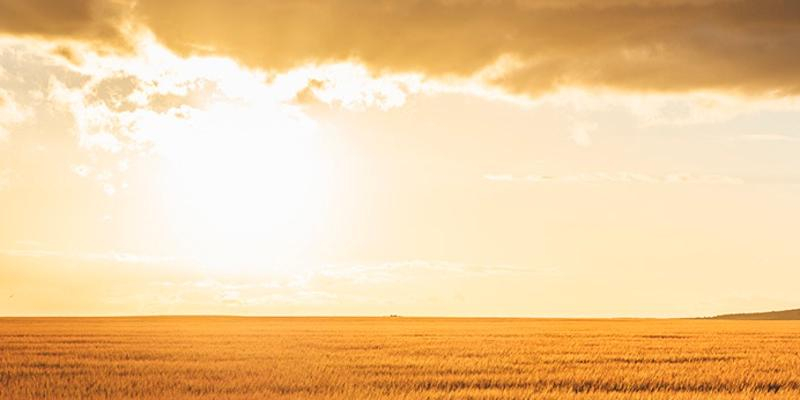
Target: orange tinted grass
(399, 358)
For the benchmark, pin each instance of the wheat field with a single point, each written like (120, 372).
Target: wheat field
(397, 358)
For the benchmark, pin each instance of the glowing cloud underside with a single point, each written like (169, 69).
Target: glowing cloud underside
(666, 45)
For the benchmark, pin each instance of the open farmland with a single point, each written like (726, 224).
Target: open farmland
(406, 358)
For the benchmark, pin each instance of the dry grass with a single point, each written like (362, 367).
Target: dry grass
(354, 358)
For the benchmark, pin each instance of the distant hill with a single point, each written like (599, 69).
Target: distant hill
(772, 315)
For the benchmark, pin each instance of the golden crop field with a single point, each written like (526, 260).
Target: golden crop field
(397, 358)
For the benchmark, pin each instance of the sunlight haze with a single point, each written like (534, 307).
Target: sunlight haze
(419, 158)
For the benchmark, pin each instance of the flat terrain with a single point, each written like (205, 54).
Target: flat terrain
(771, 315)
(403, 358)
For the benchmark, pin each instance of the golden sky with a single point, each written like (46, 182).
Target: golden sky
(438, 157)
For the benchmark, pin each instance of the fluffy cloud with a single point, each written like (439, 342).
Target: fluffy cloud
(641, 45)
(11, 113)
(658, 45)
(351, 86)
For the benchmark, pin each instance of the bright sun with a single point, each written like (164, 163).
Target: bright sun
(243, 173)
(248, 190)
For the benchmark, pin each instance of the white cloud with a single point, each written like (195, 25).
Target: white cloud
(580, 133)
(81, 170)
(109, 189)
(769, 138)
(250, 295)
(11, 113)
(344, 283)
(499, 177)
(188, 111)
(652, 109)
(119, 257)
(401, 270)
(620, 177)
(702, 178)
(348, 85)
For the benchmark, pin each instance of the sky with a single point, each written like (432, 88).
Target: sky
(617, 158)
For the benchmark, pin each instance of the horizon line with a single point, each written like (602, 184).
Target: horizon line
(345, 316)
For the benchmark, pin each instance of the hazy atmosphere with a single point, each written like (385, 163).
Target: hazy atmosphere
(428, 158)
